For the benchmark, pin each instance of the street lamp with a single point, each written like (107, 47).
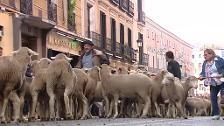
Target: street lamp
(140, 44)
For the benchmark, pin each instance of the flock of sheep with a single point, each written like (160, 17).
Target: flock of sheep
(58, 91)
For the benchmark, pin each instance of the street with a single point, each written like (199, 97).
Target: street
(192, 121)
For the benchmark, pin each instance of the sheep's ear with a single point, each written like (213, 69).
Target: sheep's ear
(33, 53)
(69, 59)
(14, 52)
(53, 58)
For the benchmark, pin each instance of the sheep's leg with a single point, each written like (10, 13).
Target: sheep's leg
(116, 97)
(34, 104)
(21, 108)
(58, 108)
(66, 99)
(71, 103)
(106, 106)
(146, 106)
(111, 108)
(85, 107)
(6, 93)
(51, 103)
(16, 104)
(180, 109)
(157, 110)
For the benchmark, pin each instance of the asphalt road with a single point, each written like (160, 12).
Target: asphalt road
(192, 121)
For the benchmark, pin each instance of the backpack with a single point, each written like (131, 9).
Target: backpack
(105, 60)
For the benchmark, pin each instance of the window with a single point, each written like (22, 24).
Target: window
(113, 34)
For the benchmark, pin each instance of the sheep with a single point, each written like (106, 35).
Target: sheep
(157, 90)
(79, 88)
(12, 73)
(60, 76)
(177, 92)
(197, 106)
(38, 85)
(126, 86)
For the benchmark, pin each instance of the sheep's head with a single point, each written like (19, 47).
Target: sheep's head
(24, 54)
(95, 73)
(168, 78)
(192, 82)
(61, 56)
(160, 75)
(44, 62)
(34, 65)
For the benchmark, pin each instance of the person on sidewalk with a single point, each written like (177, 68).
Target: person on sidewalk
(213, 66)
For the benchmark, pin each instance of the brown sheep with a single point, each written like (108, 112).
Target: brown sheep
(12, 74)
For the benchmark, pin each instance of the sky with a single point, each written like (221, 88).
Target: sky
(195, 21)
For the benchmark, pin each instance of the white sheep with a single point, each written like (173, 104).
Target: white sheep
(12, 72)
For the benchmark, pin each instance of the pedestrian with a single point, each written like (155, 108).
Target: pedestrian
(91, 57)
(213, 66)
(173, 66)
(1, 51)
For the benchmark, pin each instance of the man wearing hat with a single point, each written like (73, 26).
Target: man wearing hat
(91, 57)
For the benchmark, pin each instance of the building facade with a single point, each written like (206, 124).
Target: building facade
(112, 26)
(117, 27)
(158, 41)
(46, 26)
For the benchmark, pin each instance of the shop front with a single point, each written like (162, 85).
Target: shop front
(59, 42)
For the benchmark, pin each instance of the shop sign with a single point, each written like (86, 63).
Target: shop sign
(62, 42)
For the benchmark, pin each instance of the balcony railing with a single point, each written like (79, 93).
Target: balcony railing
(52, 11)
(71, 23)
(142, 17)
(124, 5)
(10, 3)
(117, 49)
(26, 6)
(116, 2)
(131, 8)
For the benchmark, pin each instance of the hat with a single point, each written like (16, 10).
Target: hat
(88, 42)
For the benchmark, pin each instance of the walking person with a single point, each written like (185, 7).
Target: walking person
(213, 66)
(173, 66)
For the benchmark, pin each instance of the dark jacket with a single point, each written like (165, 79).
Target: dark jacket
(97, 58)
(174, 68)
(219, 63)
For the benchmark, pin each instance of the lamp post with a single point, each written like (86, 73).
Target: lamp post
(140, 43)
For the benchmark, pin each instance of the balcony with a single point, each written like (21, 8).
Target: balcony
(116, 49)
(9, 3)
(131, 8)
(26, 6)
(124, 5)
(115, 2)
(141, 17)
(52, 11)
